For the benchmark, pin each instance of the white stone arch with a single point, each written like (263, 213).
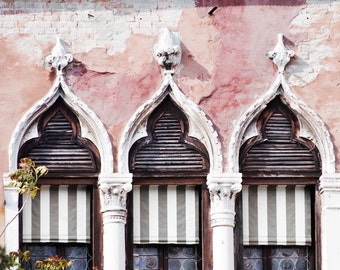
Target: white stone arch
(91, 126)
(312, 127)
(200, 126)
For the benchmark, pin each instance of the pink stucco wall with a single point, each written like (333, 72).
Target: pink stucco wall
(224, 65)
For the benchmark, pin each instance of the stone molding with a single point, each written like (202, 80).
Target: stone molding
(223, 189)
(91, 126)
(200, 126)
(168, 54)
(329, 182)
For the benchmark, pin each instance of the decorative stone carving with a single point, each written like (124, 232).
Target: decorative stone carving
(280, 55)
(59, 58)
(222, 197)
(113, 192)
(91, 126)
(168, 52)
(114, 196)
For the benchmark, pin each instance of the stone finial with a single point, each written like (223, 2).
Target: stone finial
(280, 55)
(168, 51)
(59, 58)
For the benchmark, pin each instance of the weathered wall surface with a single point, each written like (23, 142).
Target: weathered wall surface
(224, 66)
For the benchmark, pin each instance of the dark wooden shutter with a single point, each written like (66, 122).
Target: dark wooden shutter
(59, 146)
(278, 150)
(168, 149)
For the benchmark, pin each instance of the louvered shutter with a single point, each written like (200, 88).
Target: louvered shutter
(60, 146)
(167, 152)
(168, 149)
(278, 152)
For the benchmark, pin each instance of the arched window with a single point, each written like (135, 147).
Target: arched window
(169, 202)
(60, 220)
(276, 221)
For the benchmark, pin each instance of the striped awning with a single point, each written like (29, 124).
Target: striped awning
(58, 214)
(165, 214)
(276, 215)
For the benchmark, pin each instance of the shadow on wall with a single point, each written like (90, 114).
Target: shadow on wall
(223, 3)
(191, 68)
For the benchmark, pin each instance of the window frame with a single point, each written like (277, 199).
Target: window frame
(261, 176)
(96, 217)
(316, 218)
(71, 177)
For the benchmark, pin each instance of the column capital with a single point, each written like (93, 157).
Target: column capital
(113, 191)
(223, 188)
(329, 182)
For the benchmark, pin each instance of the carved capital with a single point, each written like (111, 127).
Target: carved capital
(168, 52)
(59, 58)
(223, 189)
(280, 55)
(113, 191)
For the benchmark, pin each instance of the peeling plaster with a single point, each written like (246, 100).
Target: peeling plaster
(314, 49)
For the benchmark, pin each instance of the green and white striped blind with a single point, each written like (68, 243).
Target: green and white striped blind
(58, 214)
(166, 214)
(276, 215)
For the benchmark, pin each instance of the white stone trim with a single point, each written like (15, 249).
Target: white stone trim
(91, 126)
(312, 127)
(330, 182)
(200, 126)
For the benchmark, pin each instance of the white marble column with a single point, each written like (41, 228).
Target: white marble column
(114, 189)
(330, 220)
(223, 189)
(11, 235)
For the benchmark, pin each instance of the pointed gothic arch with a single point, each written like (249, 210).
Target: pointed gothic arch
(167, 130)
(85, 127)
(278, 149)
(91, 126)
(170, 143)
(60, 146)
(311, 125)
(279, 144)
(201, 127)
